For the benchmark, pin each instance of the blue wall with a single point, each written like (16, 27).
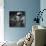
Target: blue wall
(30, 7)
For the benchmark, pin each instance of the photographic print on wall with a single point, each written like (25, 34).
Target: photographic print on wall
(17, 18)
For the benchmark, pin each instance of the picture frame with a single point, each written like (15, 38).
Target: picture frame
(17, 18)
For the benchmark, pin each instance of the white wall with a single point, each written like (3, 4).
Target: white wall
(1, 21)
(43, 6)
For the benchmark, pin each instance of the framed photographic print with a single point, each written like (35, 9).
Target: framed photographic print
(17, 18)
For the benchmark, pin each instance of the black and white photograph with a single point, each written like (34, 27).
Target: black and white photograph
(17, 18)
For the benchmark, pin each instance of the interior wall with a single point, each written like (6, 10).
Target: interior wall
(43, 6)
(30, 7)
